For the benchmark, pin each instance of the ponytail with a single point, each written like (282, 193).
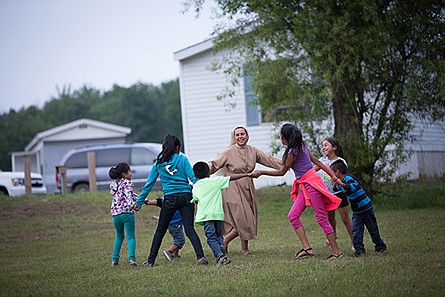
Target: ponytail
(294, 139)
(170, 146)
(117, 171)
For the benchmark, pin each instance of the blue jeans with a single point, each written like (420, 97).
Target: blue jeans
(171, 204)
(121, 222)
(177, 233)
(359, 220)
(212, 230)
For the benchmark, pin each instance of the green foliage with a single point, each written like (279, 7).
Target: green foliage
(369, 67)
(150, 111)
(61, 246)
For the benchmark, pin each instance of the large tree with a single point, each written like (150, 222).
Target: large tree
(369, 67)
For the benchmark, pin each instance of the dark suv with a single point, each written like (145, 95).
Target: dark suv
(140, 156)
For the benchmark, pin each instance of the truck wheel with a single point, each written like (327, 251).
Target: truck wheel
(82, 187)
(3, 191)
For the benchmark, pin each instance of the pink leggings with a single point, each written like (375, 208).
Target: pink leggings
(317, 202)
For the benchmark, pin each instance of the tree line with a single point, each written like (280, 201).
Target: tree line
(150, 111)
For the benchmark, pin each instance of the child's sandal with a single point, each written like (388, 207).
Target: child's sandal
(333, 256)
(303, 253)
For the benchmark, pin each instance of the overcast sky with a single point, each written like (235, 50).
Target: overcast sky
(46, 44)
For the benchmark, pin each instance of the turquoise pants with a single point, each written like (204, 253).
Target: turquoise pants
(121, 222)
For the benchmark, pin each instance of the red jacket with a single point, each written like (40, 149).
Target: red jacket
(331, 201)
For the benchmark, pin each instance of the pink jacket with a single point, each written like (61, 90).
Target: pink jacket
(331, 201)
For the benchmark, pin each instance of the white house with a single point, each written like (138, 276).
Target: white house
(207, 122)
(48, 147)
(428, 158)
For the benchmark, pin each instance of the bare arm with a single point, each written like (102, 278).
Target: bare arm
(320, 165)
(280, 172)
(238, 176)
(151, 201)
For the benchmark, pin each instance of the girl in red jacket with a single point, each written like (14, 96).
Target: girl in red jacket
(308, 189)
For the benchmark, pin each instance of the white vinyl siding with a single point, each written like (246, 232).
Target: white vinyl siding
(207, 122)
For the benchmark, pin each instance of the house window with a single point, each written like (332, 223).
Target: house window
(252, 112)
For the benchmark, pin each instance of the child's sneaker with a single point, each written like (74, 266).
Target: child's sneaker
(358, 254)
(380, 250)
(223, 261)
(203, 261)
(168, 255)
(114, 263)
(147, 264)
(133, 263)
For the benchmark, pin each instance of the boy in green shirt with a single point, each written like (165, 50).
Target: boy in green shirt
(210, 213)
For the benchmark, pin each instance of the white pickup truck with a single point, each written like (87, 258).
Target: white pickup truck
(13, 183)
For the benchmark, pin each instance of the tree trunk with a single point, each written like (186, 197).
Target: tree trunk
(348, 123)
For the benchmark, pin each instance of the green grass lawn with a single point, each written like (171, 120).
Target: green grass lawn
(61, 246)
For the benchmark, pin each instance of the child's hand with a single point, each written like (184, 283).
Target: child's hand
(255, 174)
(150, 202)
(337, 181)
(136, 207)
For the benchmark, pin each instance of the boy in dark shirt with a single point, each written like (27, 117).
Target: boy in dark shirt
(362, 209)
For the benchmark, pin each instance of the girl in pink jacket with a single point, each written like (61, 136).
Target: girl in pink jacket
(308, 189)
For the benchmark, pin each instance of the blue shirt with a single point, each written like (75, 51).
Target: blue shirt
(175, 176)
(360, 202)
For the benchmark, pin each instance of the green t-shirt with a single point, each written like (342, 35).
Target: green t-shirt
(207, 195)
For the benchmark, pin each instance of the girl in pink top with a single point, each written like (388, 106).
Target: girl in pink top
(308, 189)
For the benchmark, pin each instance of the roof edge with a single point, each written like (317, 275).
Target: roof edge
(193, 50)
(73, 124)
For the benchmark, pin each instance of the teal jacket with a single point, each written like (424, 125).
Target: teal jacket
(175, 176)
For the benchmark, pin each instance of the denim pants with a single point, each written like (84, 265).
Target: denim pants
(359, 220)
(171, 204)
(212, 230)
(177, 233)
(124, 221)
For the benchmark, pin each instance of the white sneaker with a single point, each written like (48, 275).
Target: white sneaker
(168, 255)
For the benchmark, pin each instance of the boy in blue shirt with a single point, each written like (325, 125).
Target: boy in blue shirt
(207, 194)
(362, 209)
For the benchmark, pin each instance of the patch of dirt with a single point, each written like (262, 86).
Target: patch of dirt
(52, 209)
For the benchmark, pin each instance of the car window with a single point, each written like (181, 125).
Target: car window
(142, 156)
(110, 157)
(77, 160)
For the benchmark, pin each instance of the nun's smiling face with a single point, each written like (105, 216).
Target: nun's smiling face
(240, 137)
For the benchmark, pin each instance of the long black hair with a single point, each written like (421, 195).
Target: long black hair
(293, 137)
(117, 171)
(335, 143)
(170, 146)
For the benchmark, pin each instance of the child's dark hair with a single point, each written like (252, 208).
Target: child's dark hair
(170, 146)
(117, 171)
(340, 166)
(201, 170)
(335, 143)
(293, 137)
